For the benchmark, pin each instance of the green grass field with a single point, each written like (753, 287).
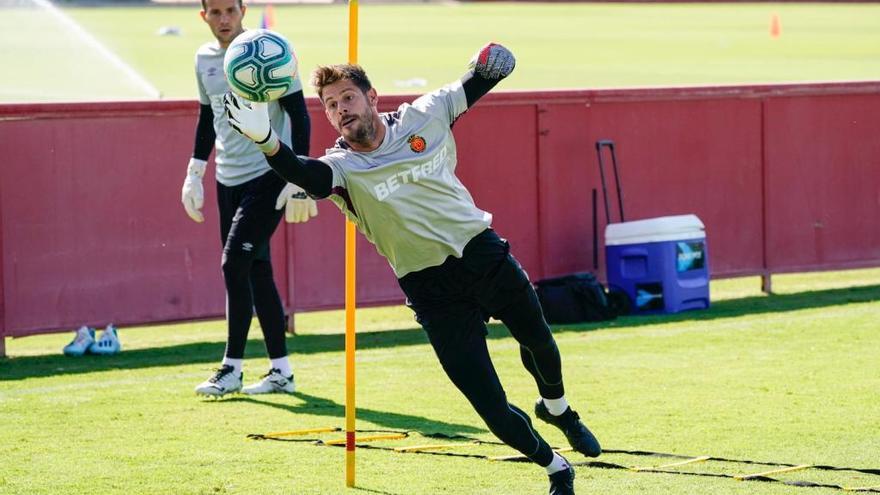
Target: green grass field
(557, 45)
(790, 378)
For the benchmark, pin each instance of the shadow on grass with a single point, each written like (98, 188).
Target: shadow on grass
(320, 406)
(210, 353)
(732, 308)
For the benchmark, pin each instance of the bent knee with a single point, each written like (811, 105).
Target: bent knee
(236, 265)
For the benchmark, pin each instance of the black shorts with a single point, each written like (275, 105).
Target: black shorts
(248, 216)
(458, 296)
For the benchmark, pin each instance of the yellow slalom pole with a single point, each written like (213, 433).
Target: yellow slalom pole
(350, 301)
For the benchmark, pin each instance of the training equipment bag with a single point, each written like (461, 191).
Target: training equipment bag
(574, 298)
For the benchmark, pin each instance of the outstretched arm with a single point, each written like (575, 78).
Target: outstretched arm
(252, 120)
(298, 207)
(488, 67)
(313, 175)
(294, 105)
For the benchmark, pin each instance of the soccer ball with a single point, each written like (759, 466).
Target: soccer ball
(260, 65)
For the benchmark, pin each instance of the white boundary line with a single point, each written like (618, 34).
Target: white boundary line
(90, 40)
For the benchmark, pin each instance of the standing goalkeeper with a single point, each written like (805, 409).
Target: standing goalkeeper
(249, 196)
(393, 175)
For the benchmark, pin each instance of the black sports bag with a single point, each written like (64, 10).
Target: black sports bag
(574, 298)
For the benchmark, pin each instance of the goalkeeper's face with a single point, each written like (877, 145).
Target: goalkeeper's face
(353, 113)
(224, 18)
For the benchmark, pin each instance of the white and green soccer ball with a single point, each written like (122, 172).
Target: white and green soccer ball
(260, 65)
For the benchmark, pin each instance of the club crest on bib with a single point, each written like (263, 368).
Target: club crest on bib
(417, 143)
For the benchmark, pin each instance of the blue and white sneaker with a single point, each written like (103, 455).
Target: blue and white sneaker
(272, 382)
(224, 381)
(108, 343)
(82, 341)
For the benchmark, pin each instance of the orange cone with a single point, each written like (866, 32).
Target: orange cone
(775, 27)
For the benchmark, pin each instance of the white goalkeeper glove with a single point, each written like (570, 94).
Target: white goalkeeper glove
(193, 193)
(298, 206)
(251, 120)
(493, 62)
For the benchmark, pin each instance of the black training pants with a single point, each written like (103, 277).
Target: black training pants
(453, 302)
(247, 220)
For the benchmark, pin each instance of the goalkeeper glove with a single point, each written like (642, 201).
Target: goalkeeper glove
(493, 62)
(251, 120)
(193, 193)
(298, 206)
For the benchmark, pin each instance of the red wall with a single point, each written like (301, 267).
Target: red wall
(825, 161)
(91, 228)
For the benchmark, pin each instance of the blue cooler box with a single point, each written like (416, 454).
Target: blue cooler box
(662, 264)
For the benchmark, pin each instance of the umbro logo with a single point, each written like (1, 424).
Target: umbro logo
(211, 72)
(247, 246)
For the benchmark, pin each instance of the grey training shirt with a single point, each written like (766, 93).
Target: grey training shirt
(238, 159)
(404, 195)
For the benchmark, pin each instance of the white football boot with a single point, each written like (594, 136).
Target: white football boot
(108, 343)
(272, 382)
(84, 338)
(223, 382)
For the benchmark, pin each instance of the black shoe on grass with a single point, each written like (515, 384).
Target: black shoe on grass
(562, 482)
(579, 437)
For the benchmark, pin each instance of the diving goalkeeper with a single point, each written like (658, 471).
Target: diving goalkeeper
(393, 175)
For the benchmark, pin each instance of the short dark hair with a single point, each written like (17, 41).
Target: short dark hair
(326, 75)
(205, 7)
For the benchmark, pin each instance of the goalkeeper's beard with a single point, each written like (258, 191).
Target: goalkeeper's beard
(363, 132)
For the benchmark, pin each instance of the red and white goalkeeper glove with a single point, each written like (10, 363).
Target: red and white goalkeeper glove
(493, 62)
